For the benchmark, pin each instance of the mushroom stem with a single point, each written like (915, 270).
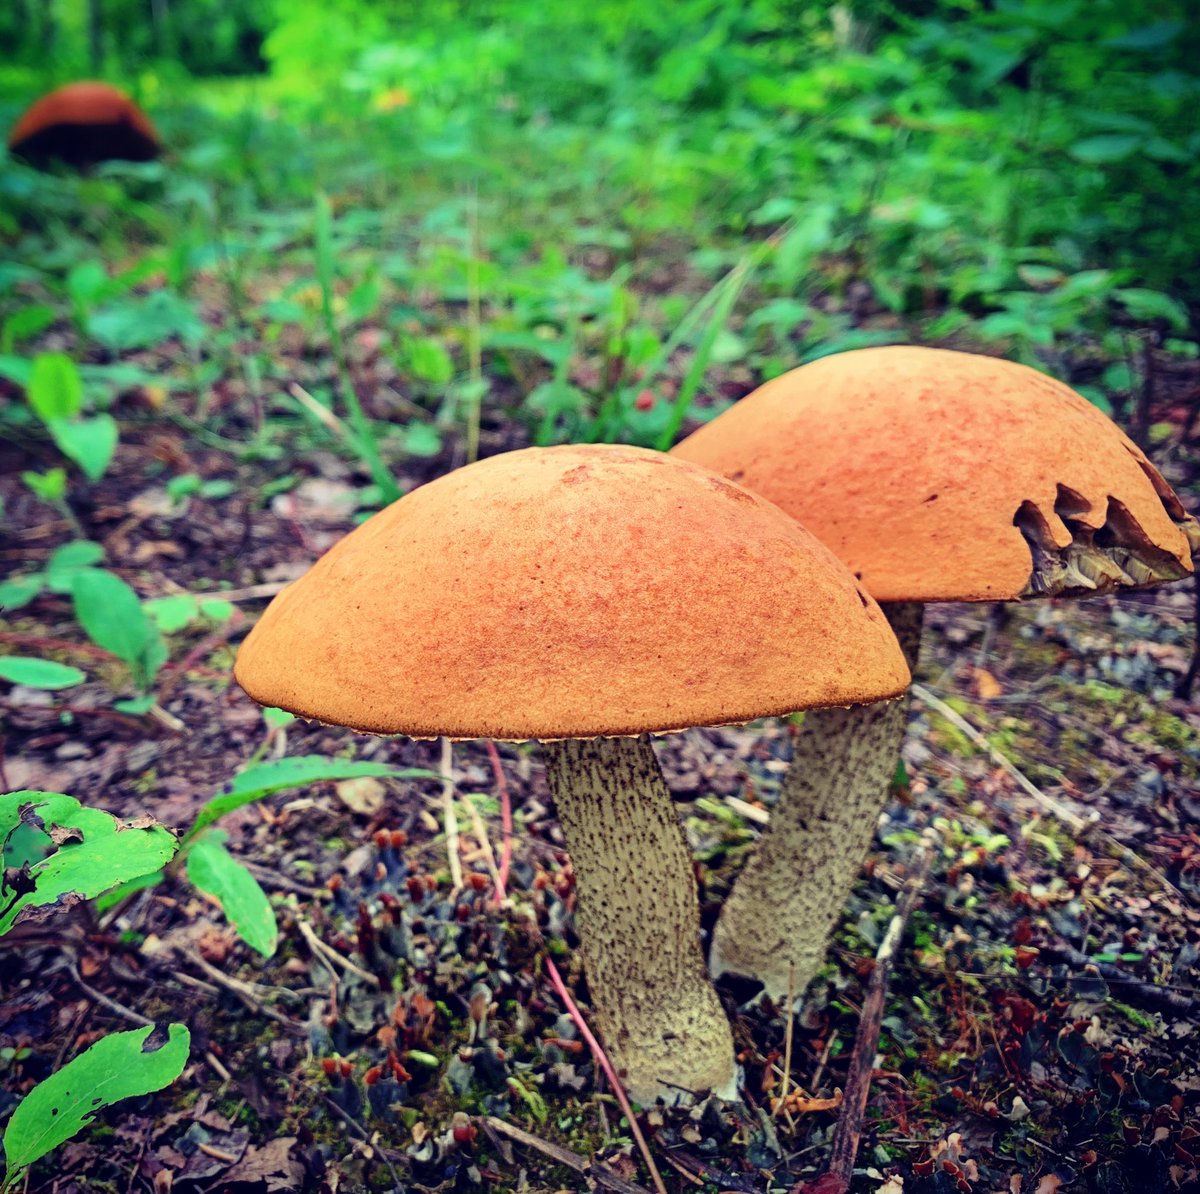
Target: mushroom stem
(639, 920)
(791, 892)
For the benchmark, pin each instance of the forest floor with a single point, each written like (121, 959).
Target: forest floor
(1041, 1030)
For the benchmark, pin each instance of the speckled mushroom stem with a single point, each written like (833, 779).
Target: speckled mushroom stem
(639, 920)
(791, 892)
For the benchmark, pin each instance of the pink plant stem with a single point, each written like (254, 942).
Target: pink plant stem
(506, 822)
(606, 1065)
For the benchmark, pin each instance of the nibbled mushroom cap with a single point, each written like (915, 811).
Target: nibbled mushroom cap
(912, 463)
(571, 592)
(85, 121)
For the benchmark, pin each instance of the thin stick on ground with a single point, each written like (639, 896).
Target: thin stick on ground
(788, 1034)
(330, 955)
(450, 815)
(506, 821)
(1055, 807)
(848, 1133)
(602, 1061)
(1069, 818)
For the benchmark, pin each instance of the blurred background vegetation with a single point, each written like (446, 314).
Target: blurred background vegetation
(556, 206)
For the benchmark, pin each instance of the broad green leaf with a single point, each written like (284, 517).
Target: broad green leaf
(1153, 304)
(39, 673)
(24, 323)
(1107, 147)
(172, 613)
(265, 779)
(95, 851)
(90, 443)
(116, 1067)
(65, 561)
(422, 439)
(109, 610)
(214, 870)
(19, 592)
(55, 389)
(50, 486)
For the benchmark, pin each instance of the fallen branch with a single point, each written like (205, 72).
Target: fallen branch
(848, 1133)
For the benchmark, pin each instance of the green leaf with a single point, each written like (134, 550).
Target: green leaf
(1107, 147)
(265, 779)
(90, 443)
(1149, 305)
(65, 561)
(214, 870)
(422, 439)
(24, 323)
(21, 591)
(103, 853)
(109, 610)
(50, 486)
(116, 1067)
(172, 613)
(39, 673)
(55, 390)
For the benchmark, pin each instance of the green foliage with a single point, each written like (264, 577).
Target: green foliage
(55, 395)
(118, 1066)
(38, 673)
(213, 870)
(109, 610)
(265, 779)
(91, 852)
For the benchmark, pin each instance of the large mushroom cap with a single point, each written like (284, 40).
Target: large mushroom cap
(571, 592)
(933, 475)
(83, 123)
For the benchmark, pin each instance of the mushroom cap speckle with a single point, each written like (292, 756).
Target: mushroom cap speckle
(912, 463)
(571, 592)
(84, 122)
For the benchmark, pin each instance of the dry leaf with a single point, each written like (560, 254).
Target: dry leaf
(364, 794)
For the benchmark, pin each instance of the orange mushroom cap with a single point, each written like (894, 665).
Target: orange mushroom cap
(83, 123)
(571, 592)
(911, 465)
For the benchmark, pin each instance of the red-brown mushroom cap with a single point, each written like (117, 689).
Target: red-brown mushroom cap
(930, 473)
(83, 123)
(571, 592)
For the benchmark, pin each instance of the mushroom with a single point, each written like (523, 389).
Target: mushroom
(935, 476)
(588, 597)
(81, 124)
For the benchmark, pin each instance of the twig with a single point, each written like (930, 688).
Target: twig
(506, 821)
(752, 812)
(836, 1179)
(329, 954)
(788, 1033)
(450, 815)
(1056, 808)
(323, 415)
(113, 1006)
(960, 723)
(602, 1061)
(485, 845)
(600, 1173)
(244, 991)
(217, 1067)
